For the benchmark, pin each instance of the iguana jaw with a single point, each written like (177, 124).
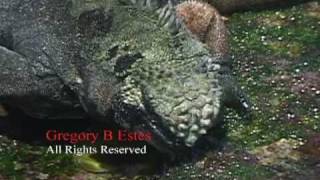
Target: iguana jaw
(142, 118)
(178, 111)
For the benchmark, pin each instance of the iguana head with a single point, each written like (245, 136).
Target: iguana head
(169, 82)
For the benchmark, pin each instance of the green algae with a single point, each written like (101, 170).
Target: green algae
(288, 33)
(271, 49)
(267, 37)
(19, 160)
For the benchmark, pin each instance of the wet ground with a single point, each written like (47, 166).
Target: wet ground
(277, 62)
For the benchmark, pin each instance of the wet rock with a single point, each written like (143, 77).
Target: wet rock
(312, 146)
(42, 176)
(3, 111)
(313, 9)
(307, 85)
(278, 152)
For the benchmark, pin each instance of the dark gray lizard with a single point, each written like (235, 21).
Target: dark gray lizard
(145, 67)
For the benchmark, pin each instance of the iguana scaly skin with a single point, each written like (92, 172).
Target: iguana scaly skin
(180, 80)
(147, 69)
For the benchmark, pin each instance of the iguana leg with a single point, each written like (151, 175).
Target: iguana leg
(234, 97)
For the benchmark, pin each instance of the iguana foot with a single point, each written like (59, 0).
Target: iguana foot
(235, 97)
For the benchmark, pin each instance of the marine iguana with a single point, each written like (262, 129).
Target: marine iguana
(149, 71)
